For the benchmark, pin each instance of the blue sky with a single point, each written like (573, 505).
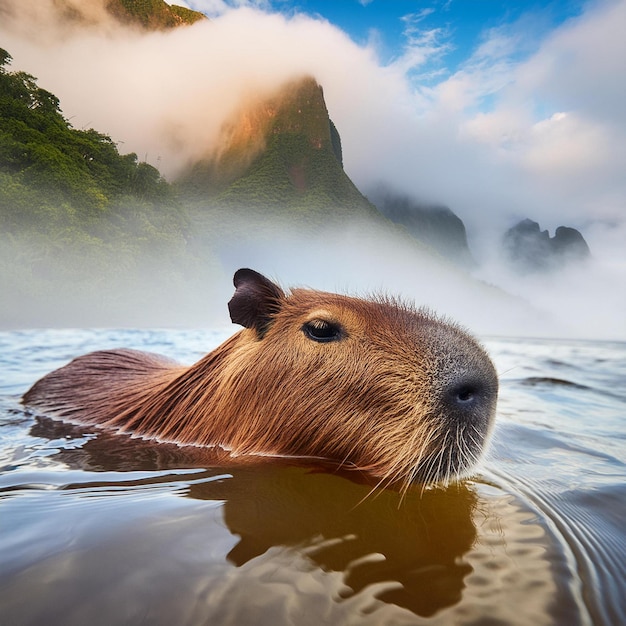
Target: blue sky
(457, 26)
(443, 34)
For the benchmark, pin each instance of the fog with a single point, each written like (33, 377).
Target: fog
(499, 140)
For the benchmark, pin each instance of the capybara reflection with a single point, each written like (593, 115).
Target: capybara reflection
(372, 384)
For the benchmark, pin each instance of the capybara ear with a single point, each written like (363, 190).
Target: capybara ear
(255, 301)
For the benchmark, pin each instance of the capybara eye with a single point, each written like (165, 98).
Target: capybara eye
(322, 331)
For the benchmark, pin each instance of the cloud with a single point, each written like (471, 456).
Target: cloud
(580, 65)
(565, 144)
(541, 133)
(422, 44)
(527, 126)
(167, 94)
(498, 138)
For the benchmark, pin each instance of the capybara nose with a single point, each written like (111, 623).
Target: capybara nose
(471, 398)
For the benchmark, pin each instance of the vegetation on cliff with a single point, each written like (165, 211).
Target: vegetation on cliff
(153, 14)
(280, 155)
(147, 15)
(75, 214)
(62, 181)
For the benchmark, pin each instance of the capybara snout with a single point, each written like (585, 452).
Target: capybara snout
(369, 383)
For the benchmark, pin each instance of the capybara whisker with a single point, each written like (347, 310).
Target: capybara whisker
(373, 384)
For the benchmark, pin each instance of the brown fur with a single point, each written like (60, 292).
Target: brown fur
(376, 395)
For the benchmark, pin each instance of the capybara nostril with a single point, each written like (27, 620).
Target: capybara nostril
(465, 393)
(471, 399)
(312, 374)
(468, 394)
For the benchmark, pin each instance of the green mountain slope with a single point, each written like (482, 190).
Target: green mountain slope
(81, 225)
(280, 155)
(77, 175)
(147, 15)
(152, 14)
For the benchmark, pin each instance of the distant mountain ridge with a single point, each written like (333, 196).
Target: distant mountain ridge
(530, 249)
(435, 225)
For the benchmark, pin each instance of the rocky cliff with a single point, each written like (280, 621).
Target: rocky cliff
(435, 225)
(281, 151)
(152, 14)
(148, 15)
(530, 249)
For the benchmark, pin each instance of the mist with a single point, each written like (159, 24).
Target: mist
(499, 140)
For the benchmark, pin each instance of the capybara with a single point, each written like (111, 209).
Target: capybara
(371, 384)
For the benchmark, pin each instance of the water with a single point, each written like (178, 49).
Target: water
(97, 528)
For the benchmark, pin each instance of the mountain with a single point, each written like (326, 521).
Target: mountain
(152, 14)
(281, 153)
(529, 249)
(79, 174)
(147, 15)
(434, 225)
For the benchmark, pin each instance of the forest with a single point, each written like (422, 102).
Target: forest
(76, 216)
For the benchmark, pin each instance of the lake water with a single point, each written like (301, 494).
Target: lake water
(97, 528)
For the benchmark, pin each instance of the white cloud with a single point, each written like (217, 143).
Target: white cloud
(422, 44)
(498, 137)
(582, 64)
(565, 144)
(540, 147)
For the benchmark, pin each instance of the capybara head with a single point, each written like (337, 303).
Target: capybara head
(373, 384)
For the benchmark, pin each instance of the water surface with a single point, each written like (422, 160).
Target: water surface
(98, 528)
